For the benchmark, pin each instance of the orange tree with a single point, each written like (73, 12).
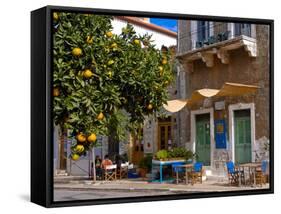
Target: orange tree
(96, 73)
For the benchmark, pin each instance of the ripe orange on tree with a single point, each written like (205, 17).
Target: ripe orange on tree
(100, 116)
(81, 138)
(92, 138)
(76, 51)
(75, 157)
(79, 148)
(87, 73)
(164, 61)
(137, 42)
(109, 34)
(149, 106)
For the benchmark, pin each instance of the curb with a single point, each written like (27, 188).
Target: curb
(175, 191)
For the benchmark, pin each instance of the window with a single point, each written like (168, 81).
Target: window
(242, 29)
(203, 30)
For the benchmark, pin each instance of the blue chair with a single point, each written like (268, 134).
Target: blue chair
(177, 169)
(233, 173)
(197, 173)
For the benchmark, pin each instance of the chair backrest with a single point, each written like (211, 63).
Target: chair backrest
(177, 169)
(230, 167)
(264, 166)
(111, 166)
(197, 167)
(124, 165)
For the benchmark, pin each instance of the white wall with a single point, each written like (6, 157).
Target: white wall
(159, 38)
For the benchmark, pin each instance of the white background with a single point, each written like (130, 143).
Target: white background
(15, 105)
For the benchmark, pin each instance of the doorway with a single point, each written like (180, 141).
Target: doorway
(203, 142)
(164, 133)
(242, 136)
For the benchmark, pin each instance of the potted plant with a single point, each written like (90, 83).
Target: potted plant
(178, 153)
(145, 165)
(162, 155)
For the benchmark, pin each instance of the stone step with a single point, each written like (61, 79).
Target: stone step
(61, 173)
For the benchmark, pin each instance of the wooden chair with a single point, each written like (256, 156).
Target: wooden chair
(197, 173)
(122, 172)
(110, 172)
(261, 173)
(233, 173)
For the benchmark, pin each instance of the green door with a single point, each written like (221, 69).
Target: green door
(242, 136)
(203, 138)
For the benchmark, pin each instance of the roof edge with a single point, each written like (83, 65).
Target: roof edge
(150, 26)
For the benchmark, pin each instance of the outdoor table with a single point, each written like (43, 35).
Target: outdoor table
(164, 163)
(187, 167)
(251, 168)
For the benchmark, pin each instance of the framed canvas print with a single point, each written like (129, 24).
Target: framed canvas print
(134, 106)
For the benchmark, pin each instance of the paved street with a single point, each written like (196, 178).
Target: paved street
(79, 194)
(85, 189)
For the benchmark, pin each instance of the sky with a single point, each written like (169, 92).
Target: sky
(170, 24)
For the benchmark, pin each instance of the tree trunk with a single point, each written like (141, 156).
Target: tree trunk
(113, 143)
(62, 156)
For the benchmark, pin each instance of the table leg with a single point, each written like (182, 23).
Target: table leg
(177, 172)
(239, 175)
(160, 171)
(254, 176)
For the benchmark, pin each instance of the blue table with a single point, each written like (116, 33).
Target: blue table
(165, 163)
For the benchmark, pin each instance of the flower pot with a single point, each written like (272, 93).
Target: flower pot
(142, 172)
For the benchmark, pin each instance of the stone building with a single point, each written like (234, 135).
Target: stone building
(223, 128)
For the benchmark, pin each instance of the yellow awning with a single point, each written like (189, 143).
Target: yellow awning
(175, 105)
(228, 89)
(235, 89)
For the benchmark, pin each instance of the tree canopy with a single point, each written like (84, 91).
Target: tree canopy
(96, 73)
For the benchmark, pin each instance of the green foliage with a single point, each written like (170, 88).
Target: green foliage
(119, 122)
(175, 153)
(162, 154)
(180, 152)
(146, 162)
(127, 73)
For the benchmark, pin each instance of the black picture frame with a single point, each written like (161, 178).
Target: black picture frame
(41, 105)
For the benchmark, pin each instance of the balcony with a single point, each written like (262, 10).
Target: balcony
(218, 46)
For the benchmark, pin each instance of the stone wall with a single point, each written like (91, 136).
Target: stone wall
(184, 41)
(241, 69)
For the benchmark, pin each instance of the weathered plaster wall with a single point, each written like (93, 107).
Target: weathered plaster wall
(241, 69)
